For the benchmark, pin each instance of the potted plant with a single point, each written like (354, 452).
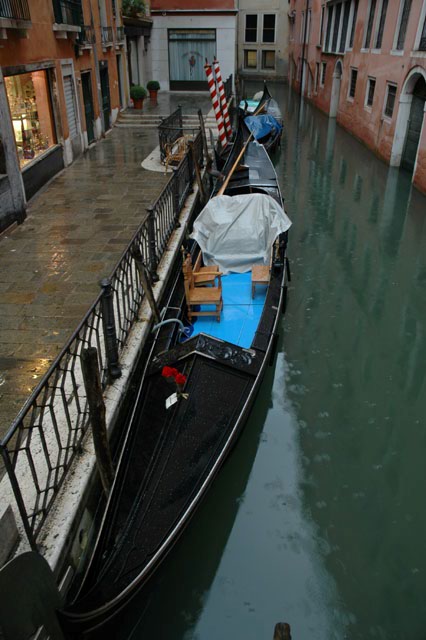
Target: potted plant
(153, 87)
(138, 94)
(132, 8)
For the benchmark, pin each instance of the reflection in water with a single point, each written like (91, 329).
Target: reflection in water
(328, 531)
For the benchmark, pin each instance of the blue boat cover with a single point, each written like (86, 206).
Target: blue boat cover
(262, 125)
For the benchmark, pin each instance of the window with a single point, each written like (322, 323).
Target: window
(422, 43)
(370, 24)
(268, 59)
(251, 28)
(321, 24)
(31, 111)
(390, 100)
(355, 15)
(352, 84)
(329, 21)
(344, 27)
(404, 15)
(323, 70)
(337, 13)
(268, 27)
(250, 59)
(371, 85)
(317, 75)
(379, 35)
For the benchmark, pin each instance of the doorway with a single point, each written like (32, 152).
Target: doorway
(414, 125)
(106, 103)
(335, 89)
(89, 114)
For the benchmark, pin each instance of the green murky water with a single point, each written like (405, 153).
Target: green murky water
(318, 518)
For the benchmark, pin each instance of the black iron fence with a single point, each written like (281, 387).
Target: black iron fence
(170, 129)
(16, 9)
(46, 436)
(68, 12)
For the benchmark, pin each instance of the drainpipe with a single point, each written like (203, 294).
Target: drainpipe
(305, 32)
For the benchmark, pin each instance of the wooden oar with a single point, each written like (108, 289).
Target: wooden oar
(234, 166)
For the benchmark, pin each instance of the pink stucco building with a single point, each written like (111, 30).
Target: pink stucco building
(364, 63)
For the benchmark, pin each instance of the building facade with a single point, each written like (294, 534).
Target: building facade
(364, 63)
(262, 40)
(64, 79)
(187, 32)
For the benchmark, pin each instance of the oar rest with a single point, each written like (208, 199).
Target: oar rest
(201, 296)
(204, 275)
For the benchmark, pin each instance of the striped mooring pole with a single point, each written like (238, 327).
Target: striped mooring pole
(222, 98)
(216, 107)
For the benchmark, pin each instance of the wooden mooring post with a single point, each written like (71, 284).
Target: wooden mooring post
(282, 631)
(92, 383)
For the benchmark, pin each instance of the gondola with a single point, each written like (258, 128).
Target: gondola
(198, 386)
(263, 118)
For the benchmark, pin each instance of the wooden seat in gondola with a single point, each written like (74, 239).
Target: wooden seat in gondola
(204, 275)
(197, 298)
(175, 151)
(260, 274)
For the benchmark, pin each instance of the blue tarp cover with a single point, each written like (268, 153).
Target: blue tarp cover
(262, 125)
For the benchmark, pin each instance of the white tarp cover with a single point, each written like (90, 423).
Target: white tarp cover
(236, 232)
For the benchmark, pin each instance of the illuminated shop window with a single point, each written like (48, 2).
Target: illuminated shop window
(30, 108)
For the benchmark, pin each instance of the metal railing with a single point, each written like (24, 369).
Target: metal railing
(170, 129)
(68, 12)
(86, 35)
(48, 433)
(106, 33)
(15, 9)
(120, 34)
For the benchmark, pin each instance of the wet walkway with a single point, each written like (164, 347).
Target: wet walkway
(76, 230)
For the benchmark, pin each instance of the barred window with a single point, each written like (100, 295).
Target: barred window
(352, 84)
(251, 28)
(379, 36)
(405, 14)
(370, 24)
(390, 100)
(323, 70)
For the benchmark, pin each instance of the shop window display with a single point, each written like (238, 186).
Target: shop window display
(30, 108)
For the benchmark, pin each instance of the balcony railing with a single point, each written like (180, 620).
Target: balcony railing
(68, 12)
(15, 9)
(106, 35)
(120, 34)
(86, 36)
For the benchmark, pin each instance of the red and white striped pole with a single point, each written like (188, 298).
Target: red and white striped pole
(222, 98)
(216, 107)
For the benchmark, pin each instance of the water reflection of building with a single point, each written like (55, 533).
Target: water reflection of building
(363, 62)
(65, 76)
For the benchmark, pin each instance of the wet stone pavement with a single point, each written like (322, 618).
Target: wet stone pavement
(50, 266)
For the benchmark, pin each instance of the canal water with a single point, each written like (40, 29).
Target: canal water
(318, 518)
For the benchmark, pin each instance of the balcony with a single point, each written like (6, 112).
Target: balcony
(68, 17)
(119, 37)
(14, 14)
(107, 37)
(85, 39)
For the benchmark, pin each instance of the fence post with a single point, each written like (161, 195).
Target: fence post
(110, 333)
(176, 199)
(152, 244)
